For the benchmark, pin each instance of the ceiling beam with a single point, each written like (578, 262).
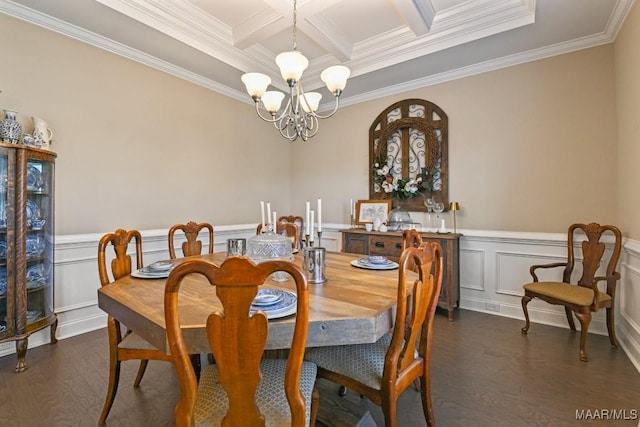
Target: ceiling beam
(418, 14)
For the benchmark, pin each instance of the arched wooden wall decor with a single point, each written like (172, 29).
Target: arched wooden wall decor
(408, 154)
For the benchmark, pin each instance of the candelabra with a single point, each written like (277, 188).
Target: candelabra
(306, 242)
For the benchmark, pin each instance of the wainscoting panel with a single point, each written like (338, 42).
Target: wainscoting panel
(472, 263)
(493, 268)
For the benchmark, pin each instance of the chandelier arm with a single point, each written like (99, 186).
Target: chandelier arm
(313, 127)
(335, 108)
(274, 118)
(271, 120)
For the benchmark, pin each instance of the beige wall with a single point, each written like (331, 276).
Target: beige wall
(627, 66)
(138, 148)
(532, 147)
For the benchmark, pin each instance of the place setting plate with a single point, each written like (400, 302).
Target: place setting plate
(375, 262)
(275, 303)
(157, 270)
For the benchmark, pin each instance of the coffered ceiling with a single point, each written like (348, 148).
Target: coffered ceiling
(389, 45)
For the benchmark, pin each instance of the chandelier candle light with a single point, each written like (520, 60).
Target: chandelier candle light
(299, 117)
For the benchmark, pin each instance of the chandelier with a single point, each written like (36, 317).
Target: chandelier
(299, 117)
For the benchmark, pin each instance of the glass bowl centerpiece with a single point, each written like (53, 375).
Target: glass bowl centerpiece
(270, 246)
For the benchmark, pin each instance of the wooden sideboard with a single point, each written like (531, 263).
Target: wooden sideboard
(389, 244)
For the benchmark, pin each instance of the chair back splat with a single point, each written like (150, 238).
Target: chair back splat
(192, 246)
(232, 389)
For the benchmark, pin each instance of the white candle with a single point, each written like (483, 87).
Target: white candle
(311, 227)
(319, 215)
(442, 227)
(351, 207)
(268, 212)
(307, 228)
(262, 214)
(275, 220)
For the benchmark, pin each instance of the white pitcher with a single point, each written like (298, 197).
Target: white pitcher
(42, 135)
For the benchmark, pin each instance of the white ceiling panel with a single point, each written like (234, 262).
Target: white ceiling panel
(389, 45)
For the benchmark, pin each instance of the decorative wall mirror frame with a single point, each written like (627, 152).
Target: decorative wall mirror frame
(408, 154)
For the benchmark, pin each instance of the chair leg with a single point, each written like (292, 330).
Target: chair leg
(114, 379)
(427, 402)
(389, 406)
(315, 403)
(611, 328)
(569, 314)
(584, 319)
(141, 369)
(525, 301)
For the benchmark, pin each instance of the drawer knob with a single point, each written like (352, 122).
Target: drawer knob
(379, 244)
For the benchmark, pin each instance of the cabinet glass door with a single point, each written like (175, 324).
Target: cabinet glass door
(40, 244)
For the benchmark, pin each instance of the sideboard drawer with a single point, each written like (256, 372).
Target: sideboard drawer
(390, 246)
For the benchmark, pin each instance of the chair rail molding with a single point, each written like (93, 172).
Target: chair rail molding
(493, 267)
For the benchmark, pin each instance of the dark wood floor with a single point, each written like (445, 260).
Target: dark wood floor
(485, 373)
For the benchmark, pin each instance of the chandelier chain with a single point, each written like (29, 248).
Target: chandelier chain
(295, 20)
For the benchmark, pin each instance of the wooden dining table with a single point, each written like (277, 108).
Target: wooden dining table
(353, 306)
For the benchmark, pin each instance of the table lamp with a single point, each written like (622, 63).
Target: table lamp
(454, 206)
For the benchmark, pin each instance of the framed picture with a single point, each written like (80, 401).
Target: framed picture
(368, 210)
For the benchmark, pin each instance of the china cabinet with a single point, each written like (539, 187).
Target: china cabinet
(389, 244)
(26, 245)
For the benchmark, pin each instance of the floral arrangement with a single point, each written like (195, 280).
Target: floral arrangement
(399, 187)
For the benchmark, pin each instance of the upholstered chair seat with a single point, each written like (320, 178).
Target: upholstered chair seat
(573, 294)
(361, 362)
(212, 403)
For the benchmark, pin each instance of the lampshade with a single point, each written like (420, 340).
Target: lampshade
(310, 101)
(335, 78)
(256, 83)
(272, 101)
(454, 206)
(292, 65)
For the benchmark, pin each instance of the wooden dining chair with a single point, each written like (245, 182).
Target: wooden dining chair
(192, 246)
(298, 221)
(243, 388)
(288, 229)
(583, 296)
(383, 370)
(123, 345)
(411, 238)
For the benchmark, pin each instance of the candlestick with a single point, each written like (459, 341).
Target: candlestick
(275, 228)
(268, 212)
(311, 226)
(307, 228)
(319, 215)
(319, 238)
